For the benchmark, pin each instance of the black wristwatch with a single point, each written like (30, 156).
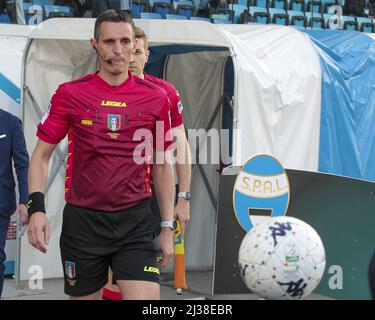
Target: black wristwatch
(186, 195)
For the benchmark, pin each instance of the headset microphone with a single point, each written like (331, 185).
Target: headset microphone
(109, 61)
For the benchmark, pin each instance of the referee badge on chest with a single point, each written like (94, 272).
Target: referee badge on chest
(114, 122)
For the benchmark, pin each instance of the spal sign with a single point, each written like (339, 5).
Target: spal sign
(261, 191)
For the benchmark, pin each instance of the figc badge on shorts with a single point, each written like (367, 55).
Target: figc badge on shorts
(70, 269)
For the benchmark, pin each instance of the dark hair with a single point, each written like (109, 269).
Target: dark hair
(140, 34)
(112, 16)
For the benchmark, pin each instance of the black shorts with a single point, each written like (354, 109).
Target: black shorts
(91, 241)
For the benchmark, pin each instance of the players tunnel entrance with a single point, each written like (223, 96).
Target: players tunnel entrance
(204, 78)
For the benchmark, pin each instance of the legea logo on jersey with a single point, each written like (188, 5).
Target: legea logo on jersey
(261, 191)
(114, 104)
(114, 122)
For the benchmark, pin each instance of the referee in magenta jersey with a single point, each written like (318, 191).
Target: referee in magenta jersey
(107, 220)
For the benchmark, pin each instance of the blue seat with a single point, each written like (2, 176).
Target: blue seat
(314, 6)
(26, 7)
(30, 10)
(42, 3)
(163, 7)
(297, 5)
(182, 3)
(260, 15)
(237, 9)
(278, 16)
(4, 18)
(297, 18)
(175, 17)
(150, 15)
(350, 23)
(244, 2)
(328, 3)
(200, 19)
(184, 8)
(327, 17)
(365, 25)
(315, 20)
(220, 16)
(279, 4)
(221, 21)
(139, 6)
(53, 11)
(152, 2)
(261, 3)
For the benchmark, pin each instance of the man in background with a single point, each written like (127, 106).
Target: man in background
(12, 148)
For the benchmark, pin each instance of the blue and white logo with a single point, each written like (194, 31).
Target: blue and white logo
(261, 191)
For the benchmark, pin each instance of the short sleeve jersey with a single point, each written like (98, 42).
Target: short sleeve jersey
(112, 131)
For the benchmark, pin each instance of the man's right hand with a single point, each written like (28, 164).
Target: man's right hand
(38, 231)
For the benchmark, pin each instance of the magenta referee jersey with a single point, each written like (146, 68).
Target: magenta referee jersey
(101, 121)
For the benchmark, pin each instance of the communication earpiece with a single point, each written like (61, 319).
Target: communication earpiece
(109, 61)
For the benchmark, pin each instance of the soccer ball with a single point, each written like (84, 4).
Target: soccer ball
(282, 258)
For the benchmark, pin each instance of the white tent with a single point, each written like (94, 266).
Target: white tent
(276, 82)
(13, 40)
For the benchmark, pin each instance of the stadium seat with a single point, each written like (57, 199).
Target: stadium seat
(139, 6)
(177, 3)
(297, 18)
(26, 7)
(246, 3)
(314, 6)
(315, 20)
(220, 16)
(184, 8)
(297, 5)
(326, 17)
(237, 9)
(163, 7)
(261, 3)
(279, 4)
(200, 19)
(42, 3)
(57, 11)
(35, 7)
(221, 21)
(278, 16)
(150, 15)
(365, 25)
(175, 17)
(4, 18)
(260, 15)
(349, 23)
(328, 3)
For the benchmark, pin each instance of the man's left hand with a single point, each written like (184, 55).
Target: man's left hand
(22, 210)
